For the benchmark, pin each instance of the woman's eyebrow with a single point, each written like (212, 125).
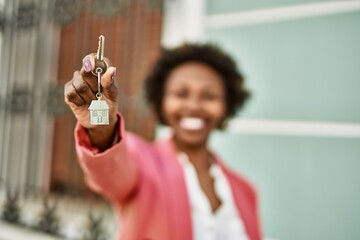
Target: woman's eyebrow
(212, 85)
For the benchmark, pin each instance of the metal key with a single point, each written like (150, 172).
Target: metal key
(100, 65)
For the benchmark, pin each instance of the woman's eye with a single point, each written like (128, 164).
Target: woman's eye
(210, 96)
(181, 94)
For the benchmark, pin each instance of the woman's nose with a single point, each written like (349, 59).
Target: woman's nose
(193, 103)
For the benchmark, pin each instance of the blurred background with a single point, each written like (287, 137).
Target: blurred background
(297, 140)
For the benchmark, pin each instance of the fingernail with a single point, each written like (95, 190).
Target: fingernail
(87, 65)
(113, 76)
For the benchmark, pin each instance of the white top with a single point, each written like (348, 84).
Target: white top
(225, 223)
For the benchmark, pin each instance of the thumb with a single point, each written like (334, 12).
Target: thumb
(108, 84)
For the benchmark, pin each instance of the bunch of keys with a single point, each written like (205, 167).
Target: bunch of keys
(99, 110)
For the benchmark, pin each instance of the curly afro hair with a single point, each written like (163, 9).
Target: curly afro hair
(209, 54)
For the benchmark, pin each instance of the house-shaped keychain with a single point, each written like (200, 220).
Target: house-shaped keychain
(99, 113)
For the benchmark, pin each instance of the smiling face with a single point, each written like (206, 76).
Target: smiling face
(193, 103)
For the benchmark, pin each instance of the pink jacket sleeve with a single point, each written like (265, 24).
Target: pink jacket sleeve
(112, 173)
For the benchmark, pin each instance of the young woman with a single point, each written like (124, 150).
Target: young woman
(177, 188)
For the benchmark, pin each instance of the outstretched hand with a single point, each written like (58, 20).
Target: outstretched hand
(81, 90)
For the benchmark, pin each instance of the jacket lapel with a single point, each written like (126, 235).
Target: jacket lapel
(179, 206)
(244, 199)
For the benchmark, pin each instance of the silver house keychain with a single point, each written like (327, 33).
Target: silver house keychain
(99, 110)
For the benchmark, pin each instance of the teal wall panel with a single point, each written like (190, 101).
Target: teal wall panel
(224, 6)
(309, 187)
(305, 69)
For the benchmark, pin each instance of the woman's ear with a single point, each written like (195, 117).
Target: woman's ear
(223, 124)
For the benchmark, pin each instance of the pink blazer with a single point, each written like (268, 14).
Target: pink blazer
(146, 185)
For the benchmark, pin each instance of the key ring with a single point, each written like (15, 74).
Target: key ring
(98, 94)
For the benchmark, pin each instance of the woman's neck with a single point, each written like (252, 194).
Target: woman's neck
(199, 155)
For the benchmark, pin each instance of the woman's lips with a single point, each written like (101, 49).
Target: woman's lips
(192, 123)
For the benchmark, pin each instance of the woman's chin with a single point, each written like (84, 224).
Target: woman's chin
(191, 137)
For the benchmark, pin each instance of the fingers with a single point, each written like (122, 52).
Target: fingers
(107, 79)
(108, 84)
(78, 91)
(88, 67)
(89, 62)
(81, 89)
(71, 96)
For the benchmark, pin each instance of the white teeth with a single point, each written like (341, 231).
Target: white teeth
(192, 123)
